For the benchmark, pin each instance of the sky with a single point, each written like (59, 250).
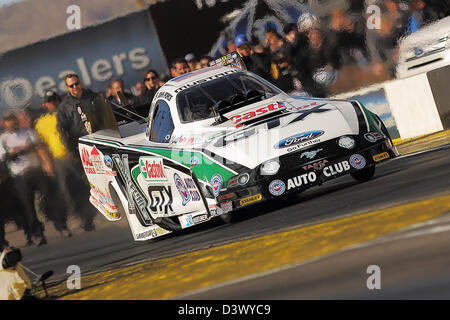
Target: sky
(6, 2)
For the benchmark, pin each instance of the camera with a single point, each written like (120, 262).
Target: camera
(12, 258)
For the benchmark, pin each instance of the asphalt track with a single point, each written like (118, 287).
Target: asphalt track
(343, 274)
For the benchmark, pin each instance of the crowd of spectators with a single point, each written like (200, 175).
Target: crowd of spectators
(39, 155)
(338, 52)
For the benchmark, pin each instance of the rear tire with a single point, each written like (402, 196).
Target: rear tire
(364, 174)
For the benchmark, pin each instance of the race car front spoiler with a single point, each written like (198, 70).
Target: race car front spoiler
(306, 175)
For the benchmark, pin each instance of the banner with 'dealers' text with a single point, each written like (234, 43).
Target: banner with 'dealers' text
(121, 48)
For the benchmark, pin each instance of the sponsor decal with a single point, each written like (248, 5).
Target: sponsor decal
(188, 221)
(380, 156)
(161, 199)
(97, 161)
(252, 114)
(164, 95)
(195, 161)
(250, 199)
(216, 184)
(298, 108)
(182, 189)
(303, 145)
(194, 83)
(190, 184)
(301, 180)
(336, 168)
(373, 136)
(87, 162)
(200, 218)
(319, 165)
(226, 206)
(152, 169)
(310, 154)
(277, 187)
(108, 161)
(357, 161)
(298, 138)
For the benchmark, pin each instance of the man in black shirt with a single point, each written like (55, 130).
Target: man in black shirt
(72, 124)
(72, 121)
(258, 63)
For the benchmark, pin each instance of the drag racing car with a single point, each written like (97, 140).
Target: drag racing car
(220, 139)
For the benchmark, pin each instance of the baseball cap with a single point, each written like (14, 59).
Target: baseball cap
(240, 40)
(189, 57)
(51, 96)
(307, 21)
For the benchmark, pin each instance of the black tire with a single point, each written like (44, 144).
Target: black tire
(364, 174)
(226, 217)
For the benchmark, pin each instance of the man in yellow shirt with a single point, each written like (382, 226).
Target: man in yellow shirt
(67, 178)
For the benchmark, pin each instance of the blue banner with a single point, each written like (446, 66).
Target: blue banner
(121, 48)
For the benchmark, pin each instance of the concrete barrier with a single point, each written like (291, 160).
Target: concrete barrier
(406, 106)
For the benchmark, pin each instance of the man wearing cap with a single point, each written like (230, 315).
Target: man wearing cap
(191, 61)
(46, 128)
(258, 63)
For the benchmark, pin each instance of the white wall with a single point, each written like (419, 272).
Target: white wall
(413, 107)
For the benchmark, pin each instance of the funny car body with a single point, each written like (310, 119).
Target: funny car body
(219, 139)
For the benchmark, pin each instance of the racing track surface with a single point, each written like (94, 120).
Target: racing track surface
(402, 180)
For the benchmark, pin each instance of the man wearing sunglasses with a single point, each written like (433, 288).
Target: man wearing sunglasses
(72, 122)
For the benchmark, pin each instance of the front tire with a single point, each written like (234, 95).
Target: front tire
(364, 174)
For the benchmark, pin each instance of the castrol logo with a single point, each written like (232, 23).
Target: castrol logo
(152, 169)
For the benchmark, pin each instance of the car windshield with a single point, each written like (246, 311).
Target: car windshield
(196, 103)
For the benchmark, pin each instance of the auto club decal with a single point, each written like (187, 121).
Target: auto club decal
(182, 189)
(216, 183)
(357, 161)
(277, 187)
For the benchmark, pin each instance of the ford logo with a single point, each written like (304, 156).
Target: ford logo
(298, 138)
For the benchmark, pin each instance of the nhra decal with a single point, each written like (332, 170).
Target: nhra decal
(152, 169)
(277, 187)
(303, 179)
(182, 189)
(336, 168)
(216, 184)
(136, 201)
(357, 161)
(298, 138)
(251, 114)
(161, 199)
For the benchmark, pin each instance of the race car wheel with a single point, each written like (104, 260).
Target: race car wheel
(226, 217)
(364, 174)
